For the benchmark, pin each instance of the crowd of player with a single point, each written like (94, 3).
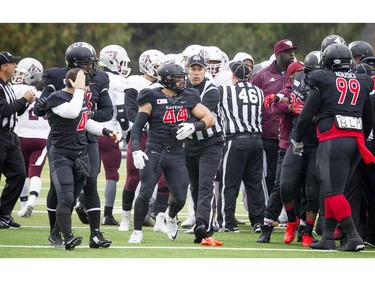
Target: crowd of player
(289, 133)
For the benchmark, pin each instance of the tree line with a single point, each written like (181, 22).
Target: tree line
(48, 42)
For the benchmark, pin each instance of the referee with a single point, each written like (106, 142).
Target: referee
(241, 107)
(12, 165)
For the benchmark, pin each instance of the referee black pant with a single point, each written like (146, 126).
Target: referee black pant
(242, 161)
(12, 166)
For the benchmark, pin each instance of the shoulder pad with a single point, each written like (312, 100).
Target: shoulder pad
(144, 96)
(102, 79)
(55, 76)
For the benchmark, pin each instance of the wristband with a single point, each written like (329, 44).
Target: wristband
(199, 126)
(91, 114)
(106, 132)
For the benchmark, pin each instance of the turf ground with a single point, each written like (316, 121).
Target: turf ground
(30, 242)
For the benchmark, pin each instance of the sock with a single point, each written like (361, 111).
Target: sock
(347, 225)
(94, 219)
(64, 219)
(127, 200)
(291, 213)
(268, 221)
(23, 201)
(110, 193)
(337, 207)
(25, 190)
(309, 227)
(35, 186)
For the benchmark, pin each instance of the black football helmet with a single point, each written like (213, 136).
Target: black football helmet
(362, 68)
(361, 49)
(330, 39)
(337, 57)
(80, 54)
(170, 73)
(312, 61)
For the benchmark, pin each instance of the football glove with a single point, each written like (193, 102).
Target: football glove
(297, 108)
(271, 98)
(185, 130)
(139, 159)
(297, 147)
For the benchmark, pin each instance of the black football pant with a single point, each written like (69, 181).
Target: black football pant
(171, 161)
(299, 172)
(92, 200)
(274, 204)
(67, 187)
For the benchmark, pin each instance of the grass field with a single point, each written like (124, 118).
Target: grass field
(30, 241)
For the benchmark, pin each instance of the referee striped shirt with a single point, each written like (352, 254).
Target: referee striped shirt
(210, 97)
(10, 106)
(241, 108)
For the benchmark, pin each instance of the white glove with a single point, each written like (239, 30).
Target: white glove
(139, 159)
(297, 147)
(185, 130)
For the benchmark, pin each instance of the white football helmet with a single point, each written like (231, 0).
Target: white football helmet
(216, 59)
(149, 61)
(192, 50)
(28, 70)
(115, 58)
(241, 56)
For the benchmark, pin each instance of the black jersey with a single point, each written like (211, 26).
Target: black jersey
(241, 105)
(336, 93)
(99, 100)
(67, 133)
(167, 113)
(299, 93)
(100, 104)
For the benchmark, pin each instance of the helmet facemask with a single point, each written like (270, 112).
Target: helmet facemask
(84, 65)
(176, 82)
(20, 74)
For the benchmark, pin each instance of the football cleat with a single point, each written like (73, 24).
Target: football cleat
(172, 227)
(97, 240)
(72, 243)
(56, 241)
(210, 241)
(290, 231)
(8, 220)
(136, 237)
(109, 220)
(265, 233)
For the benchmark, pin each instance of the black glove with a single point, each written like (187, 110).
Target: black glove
(107, 132)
